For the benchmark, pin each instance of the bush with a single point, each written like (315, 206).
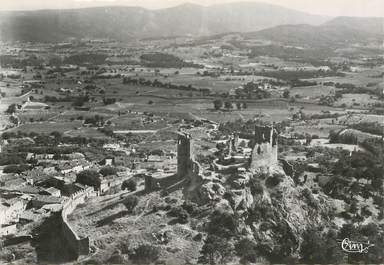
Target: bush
(180, 214)
(145, 254)
(274, 180)
(216, 250)
(223, 224)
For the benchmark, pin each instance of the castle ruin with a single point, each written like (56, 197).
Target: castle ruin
(185, 154)
(264, 153)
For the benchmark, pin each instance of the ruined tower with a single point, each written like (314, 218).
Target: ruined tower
(264, 153)
(184, 154)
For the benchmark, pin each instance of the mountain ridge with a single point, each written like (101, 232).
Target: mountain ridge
(124, 23)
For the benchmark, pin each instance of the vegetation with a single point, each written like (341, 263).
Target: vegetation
(130, 202)
(89, 177)
(107, 171)
(164, 60)
(145, 254)
(129, 184)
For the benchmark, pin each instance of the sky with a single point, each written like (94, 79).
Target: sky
(323, 7)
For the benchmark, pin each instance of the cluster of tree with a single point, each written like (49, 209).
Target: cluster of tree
(79, 101)
(300, 83)
(108, 101)
(252, 90)
(12, 158)
(164, 60)
(369, 127)
(11, 109)
(129, 185)
(86, 59)
(13, 61)
(55, 99)
(245, 128)
(218, 104)
(327, 100)
(349, 169)
(346, 138)
(107, 171)
(96, 120)
(218, 248)
(19, 168)
(156, 83)
(89, 178)
(320, 247)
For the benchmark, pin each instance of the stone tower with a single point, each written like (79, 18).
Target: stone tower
(264, 153)
(184, 154)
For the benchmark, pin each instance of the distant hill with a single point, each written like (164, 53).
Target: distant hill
(125, 23)
(373, 25)
(336, 32)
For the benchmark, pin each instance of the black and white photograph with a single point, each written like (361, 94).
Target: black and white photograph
(191, 132)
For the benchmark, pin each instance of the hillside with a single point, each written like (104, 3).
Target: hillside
(337, 32)
(125, 23)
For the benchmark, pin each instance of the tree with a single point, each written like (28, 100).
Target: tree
(217, 104)
(129, 184)
(89, 177)
(216, 250)
(238, 105)
(313, 249)
(228, 105)
(11, 109)
(107, 171)
(130, 202)
(286, 94)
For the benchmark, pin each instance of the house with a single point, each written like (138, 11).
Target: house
(109, 182)
(108, 161)
(8, 229)
(34, 106)
(73, 166)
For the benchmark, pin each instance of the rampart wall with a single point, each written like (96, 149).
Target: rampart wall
(80, 246)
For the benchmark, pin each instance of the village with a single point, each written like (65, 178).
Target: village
(188, 151)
